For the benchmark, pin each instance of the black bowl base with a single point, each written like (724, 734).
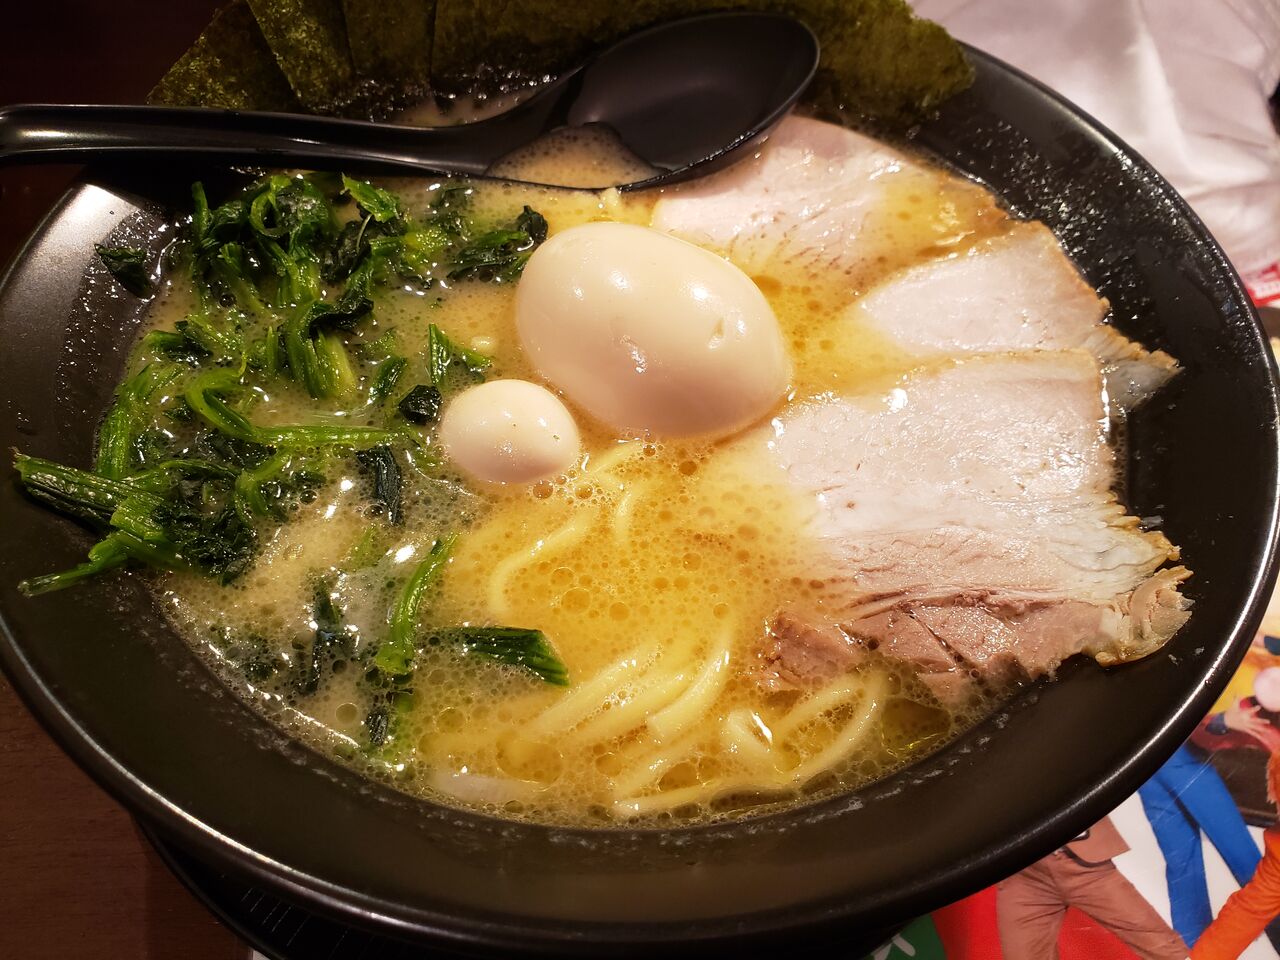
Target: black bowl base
(276, 928)
(281, 930)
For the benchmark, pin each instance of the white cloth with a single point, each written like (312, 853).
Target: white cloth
(1184, 82)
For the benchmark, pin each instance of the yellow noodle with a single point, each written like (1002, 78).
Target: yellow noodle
(849, 737)
(667, 800)
(846, 741)
(738, 733)
(701, 793)
(625, 510)
(693, 704)
(586, 698)
(612, 459)
(641, 768)
(815, 705)
(624, 715)
(566, 536)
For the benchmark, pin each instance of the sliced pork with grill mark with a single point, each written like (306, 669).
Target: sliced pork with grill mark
(803, 648)
(812, 196)
(956, 643)
(969, 511)
(966, 518)
(992, 473)
(1017, 291)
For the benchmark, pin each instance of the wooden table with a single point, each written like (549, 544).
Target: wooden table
(77, 879)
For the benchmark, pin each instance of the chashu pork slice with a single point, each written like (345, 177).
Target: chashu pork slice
(820, 195)
(1016, 291)
(805, 198)
(967, 526)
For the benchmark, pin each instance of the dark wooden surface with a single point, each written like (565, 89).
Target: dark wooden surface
(77, 880)
(81, 51)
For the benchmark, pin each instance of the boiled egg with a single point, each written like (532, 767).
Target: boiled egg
(647, 332)
(509, 431)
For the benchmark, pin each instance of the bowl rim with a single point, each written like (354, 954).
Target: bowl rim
(506, 932)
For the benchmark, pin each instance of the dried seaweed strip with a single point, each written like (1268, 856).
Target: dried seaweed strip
(525, 38)
(229, 66)
(309, 40)
(391, 40)
(879, 61)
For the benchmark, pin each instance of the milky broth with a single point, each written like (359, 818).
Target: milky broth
(655, 554)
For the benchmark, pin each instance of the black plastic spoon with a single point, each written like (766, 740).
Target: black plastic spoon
(687, 97)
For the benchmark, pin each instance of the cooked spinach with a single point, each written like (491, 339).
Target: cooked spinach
(178, 515)
(420, 405)
(129, 266)
(383, 735)
(501, 254)
(380, 463)
(515, 646)
(441, 352)
(125, 419)
(329, 641)
(380, 204)
(396, 654)
(190, 472)
(385, 379)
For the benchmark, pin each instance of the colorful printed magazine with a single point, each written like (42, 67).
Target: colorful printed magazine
(1189, 865)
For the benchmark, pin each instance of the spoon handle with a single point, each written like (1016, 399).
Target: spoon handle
(50, 133)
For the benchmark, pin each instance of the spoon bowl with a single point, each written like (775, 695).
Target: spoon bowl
(686, 97)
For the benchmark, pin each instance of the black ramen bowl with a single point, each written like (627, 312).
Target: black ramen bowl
(135, 707)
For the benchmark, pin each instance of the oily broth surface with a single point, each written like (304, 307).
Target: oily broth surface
(644, 550)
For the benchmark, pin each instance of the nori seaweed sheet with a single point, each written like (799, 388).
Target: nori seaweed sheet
(879, 61)
(309, 40)
(882, 62)
(229, 66)
(390, 40)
